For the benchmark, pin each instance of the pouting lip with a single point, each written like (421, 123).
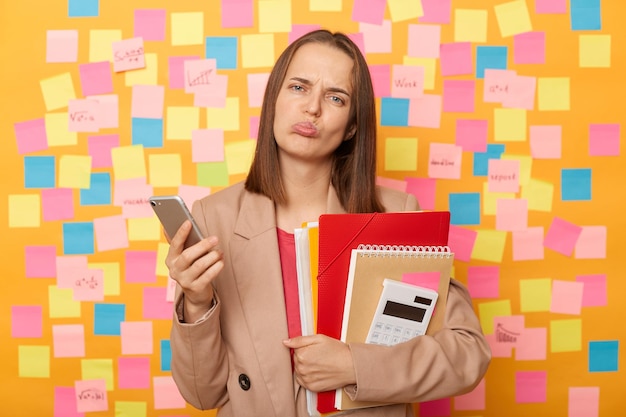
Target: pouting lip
(306, 129)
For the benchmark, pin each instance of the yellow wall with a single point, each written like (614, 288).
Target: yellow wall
(529, 290)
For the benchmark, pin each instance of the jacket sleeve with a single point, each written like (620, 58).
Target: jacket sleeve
(199, 358)
(450, 362)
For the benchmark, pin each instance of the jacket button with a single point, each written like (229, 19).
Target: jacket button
(244, 382)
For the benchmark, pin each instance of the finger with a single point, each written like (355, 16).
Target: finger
(177, 243)
(299, 342)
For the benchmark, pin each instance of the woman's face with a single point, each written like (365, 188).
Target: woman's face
(313, 105)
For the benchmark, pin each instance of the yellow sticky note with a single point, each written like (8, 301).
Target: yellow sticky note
(257, 50)
(187, 28)
(57, 92)
(594, 51)
(239, 156)
(535, 295)
(144, 228)
(181, 121)
(166, 170)
(470, 25)
(401, 154)
(111, 274)
(75, 171)
(430, 69)
(101, 44)
(98, 369)
(509, 125)
(274, 16)
(131, 409)
(489, 310)
(61, 303)
(128, 162)
(490, 199)
(226, 118)
(525, 166)
(325, 5)
(24, 210)
(143, 76)
(56, 130)
(33, 361)
(161, 269)
(513, 18)
(539, 195)
(566, 335)
(489, 245)
(553, 93)
(401, 10)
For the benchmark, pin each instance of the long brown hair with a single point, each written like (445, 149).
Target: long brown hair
(353, 172)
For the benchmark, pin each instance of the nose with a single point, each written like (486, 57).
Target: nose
(313, 105)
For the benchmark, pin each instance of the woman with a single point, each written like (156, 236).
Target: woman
(235, 338)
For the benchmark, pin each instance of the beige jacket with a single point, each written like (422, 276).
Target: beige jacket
(233, 359)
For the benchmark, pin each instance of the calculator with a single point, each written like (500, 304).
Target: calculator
(403, 312)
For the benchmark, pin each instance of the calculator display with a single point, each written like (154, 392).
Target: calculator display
(404, 311)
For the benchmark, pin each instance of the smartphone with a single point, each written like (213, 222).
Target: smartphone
(172, 213)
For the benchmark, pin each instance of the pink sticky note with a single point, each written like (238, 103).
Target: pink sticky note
(82, 115)
(150, 24)
(428, 280)
(591, 243)
(207, 145)
(562, 236)
(57, 204)
(191, 193)
(358, 40)
(254, 126)
(237, 13)
(461, 242)
(100, 149)
(31, 136)
(583, 402)
(425, 111)
(108, 110)
(199, 73)
(496, 84)
(444, 161)
(550, 6)
(69, 269)
(532, 345)
(521, 93)
(508, 329)
(212, 95)
(594, 290)
(61, 46)
(381, 76)
(40, 261)
(256, 88)
(140, 266)
(298, 30)
(90, 287)
(483, 281)
(26, 321)
(530, 386)
(377, 38)
(435, 408)
(459, 95)
(471, 135)
(529, 48)
(65, 402)
(155, 304)
(68, 340)
(503, 175)
(166, 395)
(545, 142)
(456, 58)
(132, 195)
(407, 81)
(133, 372)
(424, 41)
(136, 337)
(424, 189)
(498, 350)
(473, 400)
(369, 11)
(176, 65)
(147, 101)
(528, 244)
(111, 233)
(128, 54)
(567, 297)
(96, 78)
(436, 11)
(604, 139)
(91, 395)
(511, 214)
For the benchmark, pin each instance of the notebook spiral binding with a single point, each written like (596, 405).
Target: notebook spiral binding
(403, 251)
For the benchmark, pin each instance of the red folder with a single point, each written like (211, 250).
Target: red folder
(339, 234)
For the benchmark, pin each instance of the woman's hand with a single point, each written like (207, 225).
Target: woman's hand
(321, 363)
(194, 269)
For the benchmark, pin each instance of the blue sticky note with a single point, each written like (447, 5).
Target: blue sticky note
(492, 57)
(78, 238)
(99, 191)
(464, 208)
(107, 319)
(603, 356)
(83, 8)
(166, 355)
(147, 132)
(394, 111)
(585, 15)
(223, 49)
(39, 172)
(481, 159)
(576, 184)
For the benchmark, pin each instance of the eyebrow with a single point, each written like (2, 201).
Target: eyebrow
(331, 89)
